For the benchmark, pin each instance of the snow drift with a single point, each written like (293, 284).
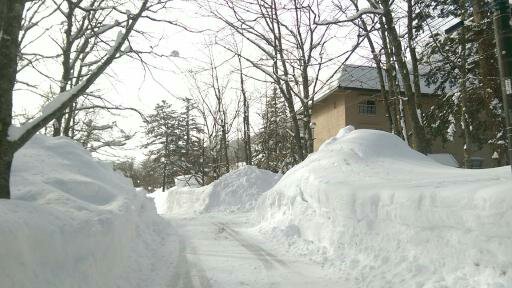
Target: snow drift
(236, 191)
(74, 222)
(389, 216)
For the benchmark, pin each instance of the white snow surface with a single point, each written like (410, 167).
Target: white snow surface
(74, 222)
(236, 191)
(388, 216)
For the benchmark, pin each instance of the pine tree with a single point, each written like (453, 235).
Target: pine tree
(274, 143)
(175, 145)
(163, 134)
(467, 107)
(191, 156)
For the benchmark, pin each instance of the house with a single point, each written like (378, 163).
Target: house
(357, 101)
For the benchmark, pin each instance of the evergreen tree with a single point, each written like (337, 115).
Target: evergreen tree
(175, 146)
(149, 174)
(192, 155)
(470, 102)
(273, 149)
(163, 135)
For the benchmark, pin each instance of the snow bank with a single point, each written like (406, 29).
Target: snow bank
(236, 191)
(178, 200)
(74, 222)
(388, 216)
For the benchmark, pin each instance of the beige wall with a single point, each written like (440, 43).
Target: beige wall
(329, 116)
(341, 109)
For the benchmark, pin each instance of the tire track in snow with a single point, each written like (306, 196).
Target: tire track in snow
(183, 276)
(200, 273)
(268, 259)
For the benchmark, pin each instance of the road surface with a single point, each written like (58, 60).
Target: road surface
(218, 251)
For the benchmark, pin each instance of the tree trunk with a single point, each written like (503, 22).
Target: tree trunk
(245, 120)
(487, 61)
(247, 133)
(287, 91)
(412, 52)
(5, 170)
(403, 120)
(66, 131)
(299, 153)
(66, 64)
(380, 74)
(488, 66)
(419, 137)
(306, 107)
(203, 163)
(463, 91)
(392, 82)
(224, 143)
(166, 157)
(11, 13)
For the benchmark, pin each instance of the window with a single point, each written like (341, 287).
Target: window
(368, 107)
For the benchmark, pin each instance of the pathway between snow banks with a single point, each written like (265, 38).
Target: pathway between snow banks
(219, 251)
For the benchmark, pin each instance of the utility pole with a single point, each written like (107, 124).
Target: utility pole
(503, 35)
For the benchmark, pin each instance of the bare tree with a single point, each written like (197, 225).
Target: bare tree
(13, 138)
(293, 55)
(391, 94)
(246, 116)
(419, 137)
(11, 13)
(361, 22)
(210, 92)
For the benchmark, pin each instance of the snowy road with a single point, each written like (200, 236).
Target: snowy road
(219, 251)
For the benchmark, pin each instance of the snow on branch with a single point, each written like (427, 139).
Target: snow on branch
(51, 107)
(354, 17)
(20, 135)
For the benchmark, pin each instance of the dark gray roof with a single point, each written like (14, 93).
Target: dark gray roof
(366, 77)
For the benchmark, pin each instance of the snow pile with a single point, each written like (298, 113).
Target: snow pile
(178, 200)
(388, 216)
(236, 191)
(74, 222)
